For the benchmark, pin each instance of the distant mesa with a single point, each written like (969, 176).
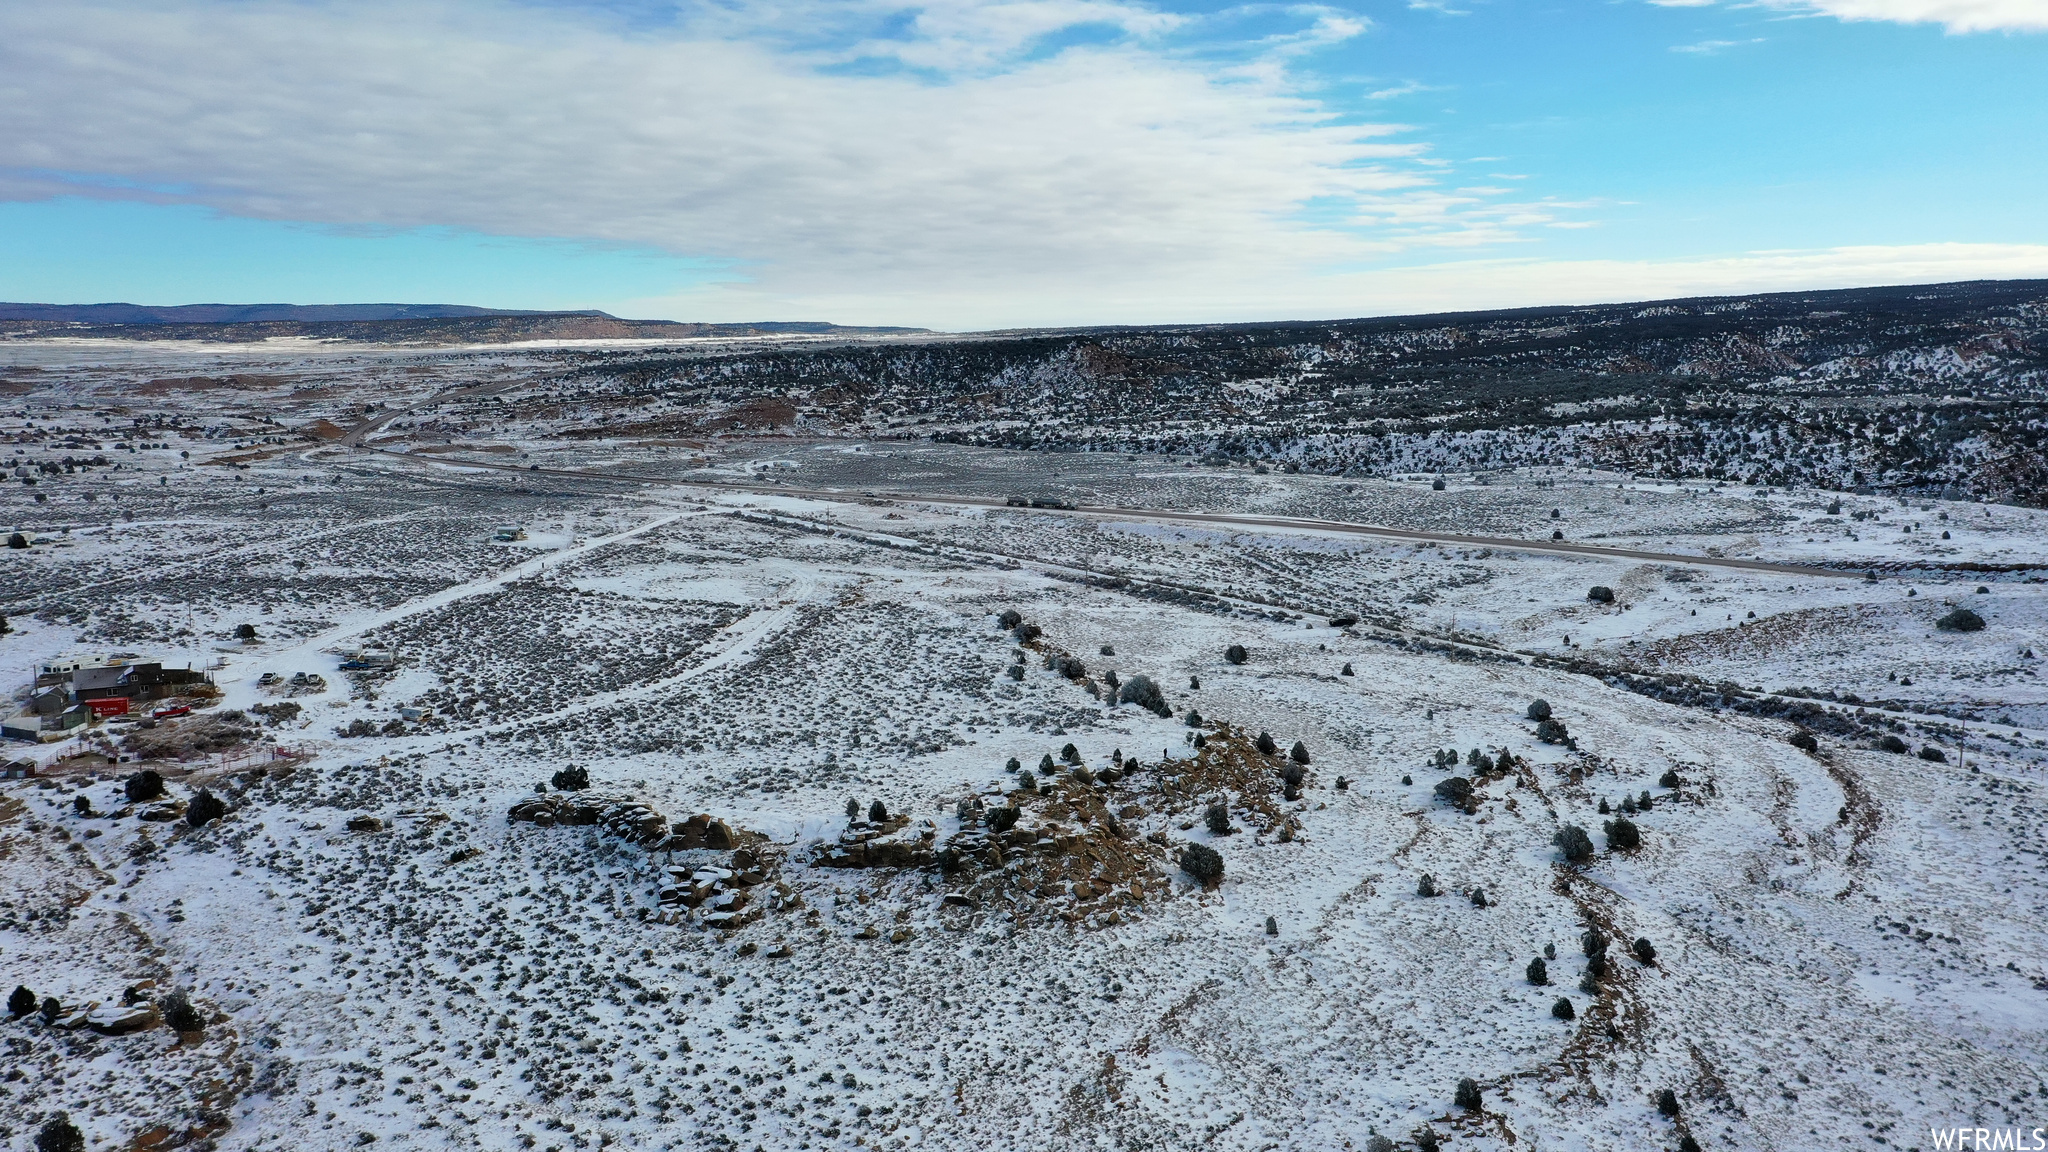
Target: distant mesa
(257, 313)
(399, 324)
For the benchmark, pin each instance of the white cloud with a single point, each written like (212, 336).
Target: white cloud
(1957, 16)
(987, 170)
(1407, 88)
(1714, 47)
(1954, 15)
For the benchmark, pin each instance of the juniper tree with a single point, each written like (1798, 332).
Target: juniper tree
(147, 784)
(1142, 691)
(1644, 950)
(1013, 766)
(1468, 1095)
(1235, 654)
(1045, 765)
(1538, 971)
(1622, 834)
(22, 1002)
(1961, 620)
(878, 812)
(60, 1135)
(1266, 744)
(1667, 1103)
(852, 809)
(1563, 1009)
(1292, 778)
(1070, 754)
(179, 1013)
(1574, 843)
(1298, 753)
(1203, 863)
(1426, 886)
(204, 808)
(1010, 619)
(1217, 818)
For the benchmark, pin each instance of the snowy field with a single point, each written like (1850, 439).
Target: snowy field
(1844, 945)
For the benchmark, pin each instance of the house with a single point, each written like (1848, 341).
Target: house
(129, 681)
(61, 669)
(509, 533)
(145, 680)
(18, 770)
(72, 691)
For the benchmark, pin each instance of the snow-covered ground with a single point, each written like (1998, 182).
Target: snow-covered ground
(1850, 945)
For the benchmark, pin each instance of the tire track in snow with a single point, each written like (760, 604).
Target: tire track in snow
(741, 639)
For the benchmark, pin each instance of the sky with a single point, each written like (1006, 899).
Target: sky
(978, 164)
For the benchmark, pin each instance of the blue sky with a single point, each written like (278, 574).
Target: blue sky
(979, 164)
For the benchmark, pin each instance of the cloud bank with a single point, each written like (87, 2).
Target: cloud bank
(955, 150)
(1957, 16)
